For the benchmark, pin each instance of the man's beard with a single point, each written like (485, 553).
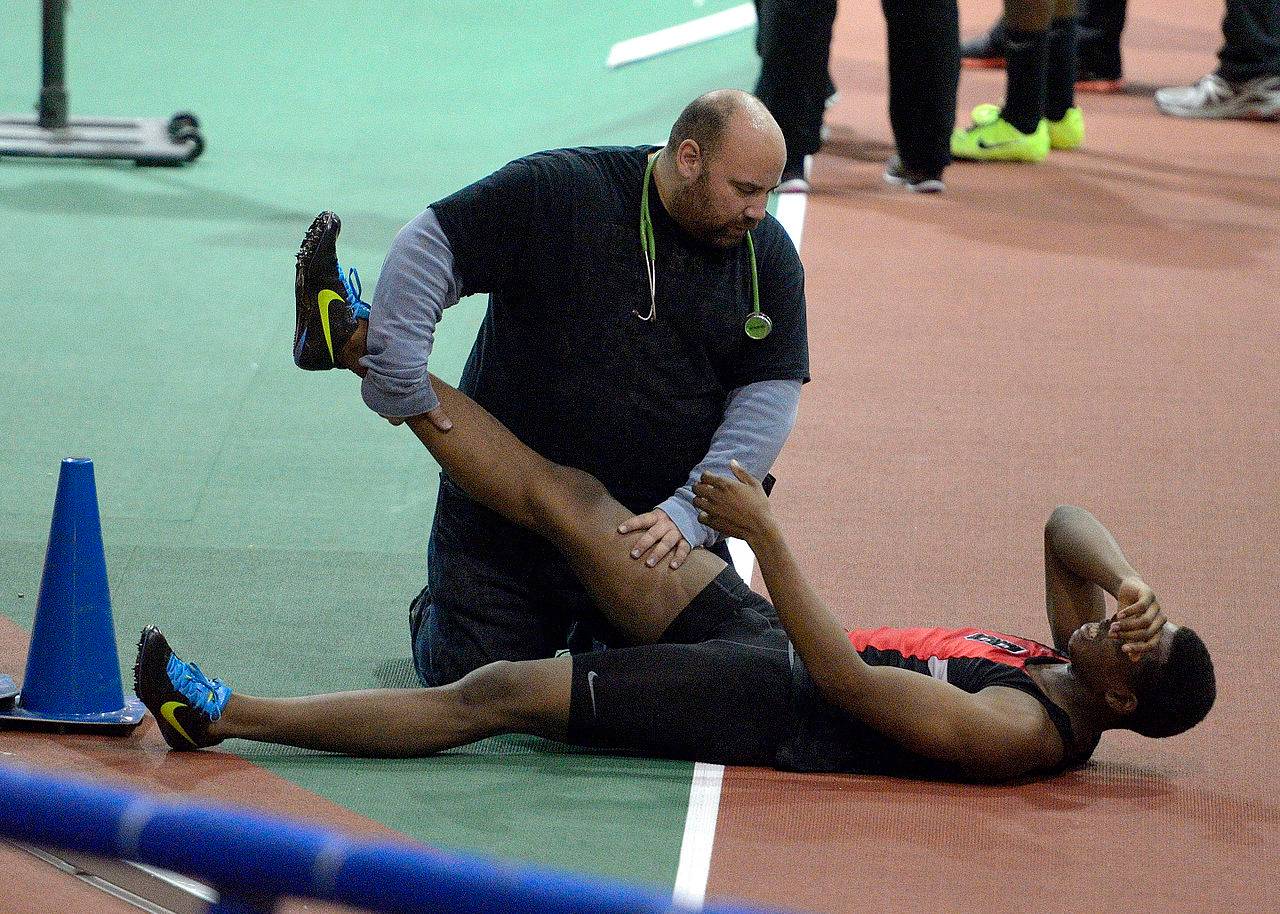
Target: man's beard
(697, 200)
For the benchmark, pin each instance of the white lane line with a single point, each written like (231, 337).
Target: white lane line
(744, 560)
(699, 835)
(704, 793)
(717, 25)
(790, 213)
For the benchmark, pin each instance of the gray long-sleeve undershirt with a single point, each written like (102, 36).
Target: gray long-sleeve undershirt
(757, 420)
(418, 282)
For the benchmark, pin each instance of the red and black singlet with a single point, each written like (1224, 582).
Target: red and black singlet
(971, 659)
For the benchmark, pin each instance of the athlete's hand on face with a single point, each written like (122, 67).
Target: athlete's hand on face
(736, 506)
(1138, 619)
(661, 538)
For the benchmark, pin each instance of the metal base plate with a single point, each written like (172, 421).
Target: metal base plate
(147, 141)
(126, 718)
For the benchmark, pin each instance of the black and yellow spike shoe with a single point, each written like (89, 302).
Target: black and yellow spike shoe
(327, 301)
(183, 700)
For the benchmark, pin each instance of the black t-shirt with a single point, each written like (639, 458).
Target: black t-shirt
(561, 358)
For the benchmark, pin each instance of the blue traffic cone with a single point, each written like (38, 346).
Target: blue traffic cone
(73, 669)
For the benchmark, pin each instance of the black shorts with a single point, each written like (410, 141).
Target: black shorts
(715, 688)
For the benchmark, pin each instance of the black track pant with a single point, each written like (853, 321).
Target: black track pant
(794, 43)
(1251, 33)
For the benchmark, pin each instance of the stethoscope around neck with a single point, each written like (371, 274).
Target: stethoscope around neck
(758, 324)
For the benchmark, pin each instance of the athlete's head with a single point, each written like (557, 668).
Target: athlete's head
(1169, 690)
(724, 155)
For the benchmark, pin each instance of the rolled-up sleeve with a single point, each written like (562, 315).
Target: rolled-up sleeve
(416, 284)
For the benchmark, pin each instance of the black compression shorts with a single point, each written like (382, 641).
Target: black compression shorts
(715, 688)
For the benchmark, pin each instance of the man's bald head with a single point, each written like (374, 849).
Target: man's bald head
(727, 116)
(724, 156)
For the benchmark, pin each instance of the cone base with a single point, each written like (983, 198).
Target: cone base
(8, 691)
(123, 720)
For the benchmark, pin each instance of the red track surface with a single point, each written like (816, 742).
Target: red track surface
(142, 761)
(1100, 329)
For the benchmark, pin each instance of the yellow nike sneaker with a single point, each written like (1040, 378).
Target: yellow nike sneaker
(1067, 133)
(183, 700)
(993, 139)
(327, 301)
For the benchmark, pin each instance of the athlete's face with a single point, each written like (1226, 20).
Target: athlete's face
(725, 192)
(1101, 662)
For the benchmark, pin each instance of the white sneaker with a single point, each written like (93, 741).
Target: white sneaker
(1214, 97)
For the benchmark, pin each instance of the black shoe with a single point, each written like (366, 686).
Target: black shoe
(321, 330)
(1100, 80)
(986, 52)
(918, 182)
(183, 700)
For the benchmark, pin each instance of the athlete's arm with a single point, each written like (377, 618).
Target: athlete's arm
(997, 733)
(1082, 561)
(757, 420)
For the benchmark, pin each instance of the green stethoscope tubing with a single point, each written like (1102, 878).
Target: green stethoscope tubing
(758, 324)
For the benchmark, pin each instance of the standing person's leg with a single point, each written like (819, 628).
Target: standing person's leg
(1066, 121)
(1099, 67)
(924, 73)
(1017, 132)
(1247, 81)
(794, 43)
(1251, 41)
(1028, 24)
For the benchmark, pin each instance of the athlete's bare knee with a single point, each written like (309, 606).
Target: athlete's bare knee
(520, 696)
(488, 687)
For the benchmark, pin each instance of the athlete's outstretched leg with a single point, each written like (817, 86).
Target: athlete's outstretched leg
(569, 507)
(504, 697)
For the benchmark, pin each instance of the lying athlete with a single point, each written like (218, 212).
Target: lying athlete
(708, 674)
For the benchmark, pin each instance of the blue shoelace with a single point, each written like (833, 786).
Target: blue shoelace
(351, 280)
(209, 696)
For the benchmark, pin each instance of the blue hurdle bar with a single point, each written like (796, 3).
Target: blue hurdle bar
(248, 855)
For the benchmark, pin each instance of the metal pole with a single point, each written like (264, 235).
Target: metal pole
(53, 90)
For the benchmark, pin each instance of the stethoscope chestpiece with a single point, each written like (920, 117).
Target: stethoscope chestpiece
(758, 325)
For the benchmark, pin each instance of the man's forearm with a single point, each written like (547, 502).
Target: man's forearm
(757, 420)
(1086, 548)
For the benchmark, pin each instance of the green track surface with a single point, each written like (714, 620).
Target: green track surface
(271, 524)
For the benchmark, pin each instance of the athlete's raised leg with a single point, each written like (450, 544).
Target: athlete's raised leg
(569, 507)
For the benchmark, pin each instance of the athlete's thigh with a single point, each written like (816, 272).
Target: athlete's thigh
(530, 696)
(639, 601)
(716, 701)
